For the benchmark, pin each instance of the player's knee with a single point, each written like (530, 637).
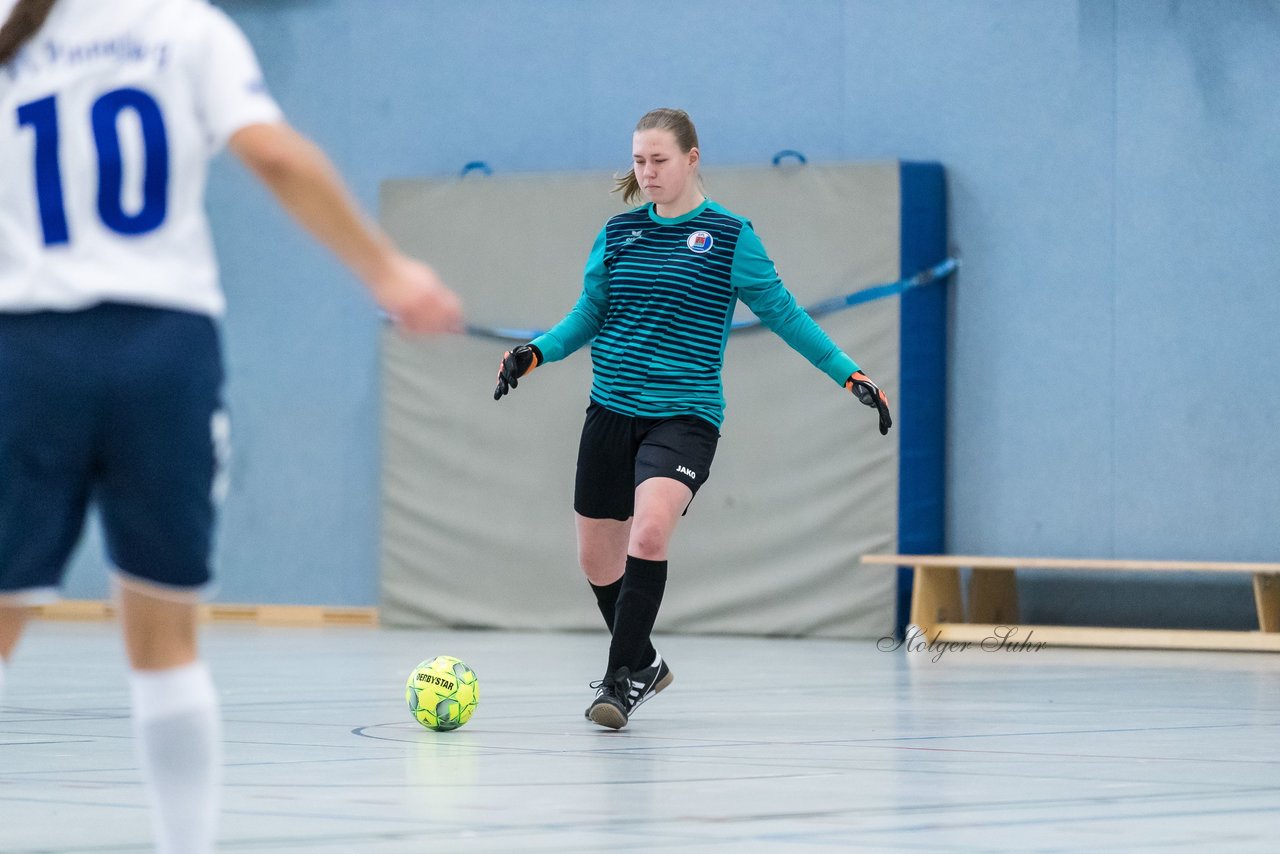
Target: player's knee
(592, 566)
(649, 540)
(159, 630)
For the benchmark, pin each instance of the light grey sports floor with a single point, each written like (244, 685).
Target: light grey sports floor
(759, 745)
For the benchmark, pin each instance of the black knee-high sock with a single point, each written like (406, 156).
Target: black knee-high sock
(638, 603)
(607, 600)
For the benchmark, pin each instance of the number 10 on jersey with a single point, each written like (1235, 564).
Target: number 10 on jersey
(42, 117)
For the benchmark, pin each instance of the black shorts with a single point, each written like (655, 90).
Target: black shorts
(619, 452)
(119, 405)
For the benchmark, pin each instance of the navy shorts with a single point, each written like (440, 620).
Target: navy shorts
(115, 405)
(619, 452)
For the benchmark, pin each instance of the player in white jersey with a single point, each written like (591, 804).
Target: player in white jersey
(110, 368)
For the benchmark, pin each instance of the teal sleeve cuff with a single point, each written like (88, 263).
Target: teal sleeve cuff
(550, 348)
(843, 368)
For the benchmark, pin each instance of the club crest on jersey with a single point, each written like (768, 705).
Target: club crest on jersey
(700, 242)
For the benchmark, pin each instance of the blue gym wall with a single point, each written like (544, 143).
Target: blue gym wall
(1113, 176)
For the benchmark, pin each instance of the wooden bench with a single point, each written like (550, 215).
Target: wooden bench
(273, 615)
(938, 608)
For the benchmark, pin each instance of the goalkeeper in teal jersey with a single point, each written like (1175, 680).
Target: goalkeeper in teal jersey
(657, 304)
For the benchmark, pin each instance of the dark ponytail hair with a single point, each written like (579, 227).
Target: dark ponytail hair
(27, 17)
(680, 125)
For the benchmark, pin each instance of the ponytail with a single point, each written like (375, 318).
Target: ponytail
(680, 125)
(628, 186)
(26, 18)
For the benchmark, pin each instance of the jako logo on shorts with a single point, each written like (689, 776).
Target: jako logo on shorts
(700, 242)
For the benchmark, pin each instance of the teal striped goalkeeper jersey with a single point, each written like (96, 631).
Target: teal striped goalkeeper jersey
(658, 300)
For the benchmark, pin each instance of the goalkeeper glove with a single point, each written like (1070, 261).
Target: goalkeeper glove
(515, 364)
(871, 395)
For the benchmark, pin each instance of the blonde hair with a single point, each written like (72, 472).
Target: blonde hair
(27, 17)
(663, 118)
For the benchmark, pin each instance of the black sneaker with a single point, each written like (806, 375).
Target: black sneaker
(612, 702)
(620, 693)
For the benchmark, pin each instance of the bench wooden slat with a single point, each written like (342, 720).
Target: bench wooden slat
(962, 561)
(297, 615)
(1096, 636)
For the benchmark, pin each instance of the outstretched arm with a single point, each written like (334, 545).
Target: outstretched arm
(578, 327)
(759, 286)
(308, 187)
(762, 290)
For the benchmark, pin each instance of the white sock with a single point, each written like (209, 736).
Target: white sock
(179, 738)
(2, 669)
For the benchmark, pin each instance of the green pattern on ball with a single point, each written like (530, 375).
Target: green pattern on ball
(465, 674)
(442, 693)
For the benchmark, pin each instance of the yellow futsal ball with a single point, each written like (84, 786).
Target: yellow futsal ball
(442, 693)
